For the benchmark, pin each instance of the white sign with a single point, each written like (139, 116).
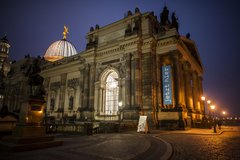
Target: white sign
(142, 124)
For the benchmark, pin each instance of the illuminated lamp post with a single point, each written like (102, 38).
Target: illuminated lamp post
(224, 115)
(203, 99)
(208, 104)
(120, 110)
(214, 122)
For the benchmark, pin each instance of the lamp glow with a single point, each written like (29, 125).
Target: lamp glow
(212, 107)
(208, 101)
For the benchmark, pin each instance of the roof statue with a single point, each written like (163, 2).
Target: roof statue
(174, 21)
(65, 32)
(164, 16)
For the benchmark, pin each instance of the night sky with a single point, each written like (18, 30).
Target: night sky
(32, 25)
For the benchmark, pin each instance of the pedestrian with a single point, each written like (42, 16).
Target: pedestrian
(219, 124)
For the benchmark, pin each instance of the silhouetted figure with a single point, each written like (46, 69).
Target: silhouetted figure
(34, 79)
(174, 21)
(188, 35)
(219, 124)
(137, 10)
(164, 17)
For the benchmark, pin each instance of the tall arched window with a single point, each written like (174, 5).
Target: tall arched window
(111, 101)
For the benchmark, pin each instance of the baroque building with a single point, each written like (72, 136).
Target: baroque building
(136, 66)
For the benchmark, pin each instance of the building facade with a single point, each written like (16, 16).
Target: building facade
(136, 66)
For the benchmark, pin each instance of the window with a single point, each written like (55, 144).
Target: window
(52, 101)
(111, 101)
(71, 102)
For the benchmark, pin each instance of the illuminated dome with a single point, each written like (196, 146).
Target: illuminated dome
(60, 49)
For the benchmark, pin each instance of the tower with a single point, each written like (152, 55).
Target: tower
(4, 65)
(4, 50)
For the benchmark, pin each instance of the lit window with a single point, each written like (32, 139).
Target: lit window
(111, 103)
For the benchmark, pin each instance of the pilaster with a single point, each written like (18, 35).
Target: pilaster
(86, 86)
(188, 87)
(128, 81)
(195, 86)
(176, 80)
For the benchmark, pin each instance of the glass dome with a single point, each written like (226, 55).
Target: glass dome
(59, 49)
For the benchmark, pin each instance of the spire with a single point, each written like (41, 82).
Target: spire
(65, 32)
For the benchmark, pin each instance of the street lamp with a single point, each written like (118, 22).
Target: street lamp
(214, 123)
(212, 108)
(208, 101)
(120, 110)
(203, 98)
(224, 116)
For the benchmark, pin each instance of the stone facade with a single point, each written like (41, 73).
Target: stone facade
(119, 75)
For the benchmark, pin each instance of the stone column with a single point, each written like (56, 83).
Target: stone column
(159, 81)
(128, 81)
(57, 103)
(176, 80)
(120, 90)
(123, 89)
(62, 90)
(86, 86)
(76, 98)
(91, 85)
(96, 96)
(188, 87)
(81, 86)
(200, 88)
(195, 92)
(137, 79)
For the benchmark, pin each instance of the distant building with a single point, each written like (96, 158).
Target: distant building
(4, 66)
(135, 66)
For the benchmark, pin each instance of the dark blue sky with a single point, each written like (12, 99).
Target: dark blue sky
(32, 25)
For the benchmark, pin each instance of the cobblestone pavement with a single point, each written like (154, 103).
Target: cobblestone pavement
(225, 146)
(97, 147)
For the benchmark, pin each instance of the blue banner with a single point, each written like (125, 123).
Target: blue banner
(167, 84)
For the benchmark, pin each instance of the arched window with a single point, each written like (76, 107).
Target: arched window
(111, 100)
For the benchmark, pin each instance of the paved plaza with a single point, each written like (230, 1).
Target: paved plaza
(202, 146)
(192, 144)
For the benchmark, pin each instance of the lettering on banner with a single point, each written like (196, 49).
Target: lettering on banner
(167, 84)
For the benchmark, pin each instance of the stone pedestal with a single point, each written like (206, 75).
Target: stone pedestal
(29, 130)
(29, 134)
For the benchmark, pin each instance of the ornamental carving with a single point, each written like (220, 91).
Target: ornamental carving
(46, 82)
(63, 79)
(55, 85)
(122, 69)
(72, 83)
